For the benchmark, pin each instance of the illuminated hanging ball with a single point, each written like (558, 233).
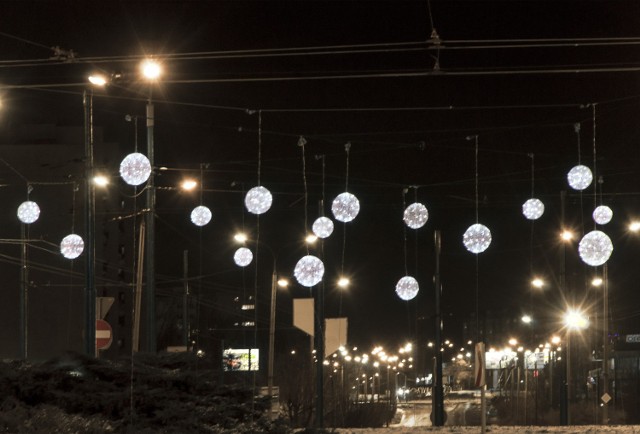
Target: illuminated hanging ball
(477, 238)
(322, 227)
(71, 246)
(595, 248)
(345, 207)
(416, 215)
(201, 215)
(135, 169)
(243, 257)
(309, 271)
(602, 215)
(533, 209)
(258, 200)
(407, 288)
(580, 177)
(28, 212)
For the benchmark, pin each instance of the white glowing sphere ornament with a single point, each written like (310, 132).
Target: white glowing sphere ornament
(243, 257)
(416, 215)
(533, 209)
(477, 238)
(580, 177)
(309, 271)
(135, 169)
(595, 248)
(602, 215)
(322, 227)
(258, 200)
(28, 212)
(71, 246)
(345, 207)
(407, 288)
(201, 215)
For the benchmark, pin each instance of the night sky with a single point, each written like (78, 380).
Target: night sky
(519, 75)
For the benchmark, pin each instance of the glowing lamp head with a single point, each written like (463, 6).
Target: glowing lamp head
(97, 80)
(150, 69)
(101, 180)
(343, 282)
(240, 237)
(537, 282)
(575, 320)
(188, 184)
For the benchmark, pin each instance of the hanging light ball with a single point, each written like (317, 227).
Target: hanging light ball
(135, 169)
(416, 215)
(345, 207)
(477, 238)
(71, 246)
(407, 288)
(309, 271)
(258, 200)
(595, 248)
(580, 177)
(322, 227)
(602, 215)
(533, 209)
(28, 212)
(201, 215)
(243, 257)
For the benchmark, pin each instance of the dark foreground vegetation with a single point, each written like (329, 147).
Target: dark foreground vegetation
(151, 394)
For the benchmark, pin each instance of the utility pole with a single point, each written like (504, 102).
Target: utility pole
(438, 391)
(150, 290)
(90, 201)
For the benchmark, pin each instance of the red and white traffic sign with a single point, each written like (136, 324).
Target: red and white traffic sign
(104, 334)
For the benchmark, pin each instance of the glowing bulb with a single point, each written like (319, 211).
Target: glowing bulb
(28, 212)
(407, 288)
(258, 200)
(240, 237)
(580, 177)
(243, 257)
(533, 209)
(151, 69)
(97, 80)
(602, 215)
(322, 227)
(135, 169)
(188, 184)
(101, 180)
(477, 238)
(71, 246)
(201, 215)
(309, 271)
(416, 215)
(595, 248)
(345, 207)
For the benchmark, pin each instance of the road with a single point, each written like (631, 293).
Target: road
(459, 412)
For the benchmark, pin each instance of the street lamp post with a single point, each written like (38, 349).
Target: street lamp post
(90, 200)
(151, 71)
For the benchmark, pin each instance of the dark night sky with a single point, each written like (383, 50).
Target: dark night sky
(376, 54)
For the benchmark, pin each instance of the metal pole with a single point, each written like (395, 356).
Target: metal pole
(90, 200)
(319, 347)
(24, 288)
(568, 382)
(150, 292)
(185, 301)
(438, 392)
(564, 398)
(272, 332)
(605, 345)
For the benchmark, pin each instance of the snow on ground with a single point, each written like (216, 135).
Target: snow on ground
(493, 429)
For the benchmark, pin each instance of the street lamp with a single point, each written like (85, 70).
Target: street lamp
(151, 71)
(90, 222)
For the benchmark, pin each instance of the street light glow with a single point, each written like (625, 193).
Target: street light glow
(526, 319)
(537, 282)
(188, 184)
(566, 235)
(97, 79)
(343, 282)
(597, 281)
(311, 239)
(634, 226)
(240, 237)
(101, 180)
(283, 283)
(151, 69)
(575, 320)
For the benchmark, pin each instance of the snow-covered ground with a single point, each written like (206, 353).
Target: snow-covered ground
(577, 429)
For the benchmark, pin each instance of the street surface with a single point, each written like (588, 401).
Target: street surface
(460, 411)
